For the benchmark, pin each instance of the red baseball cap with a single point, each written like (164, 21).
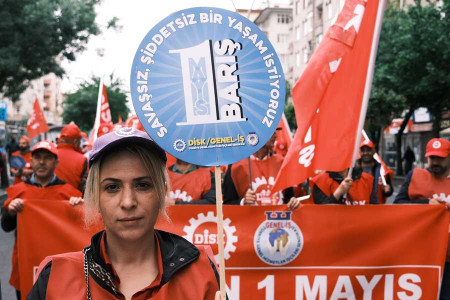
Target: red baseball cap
(367, 143)
(25, 138)
(438, 147)
(71, 131)
(46, 145)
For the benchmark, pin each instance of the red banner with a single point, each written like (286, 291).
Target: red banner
(48, 227)
(36, 123)
(316, 252)
(324, 252)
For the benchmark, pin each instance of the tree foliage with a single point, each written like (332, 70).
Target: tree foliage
(35, 34)
(412, 68)
(80, 106)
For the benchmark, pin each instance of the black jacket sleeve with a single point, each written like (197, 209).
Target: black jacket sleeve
(403, 195)
(39, 289)
(320, 197)
(9, 223)
(230, 195)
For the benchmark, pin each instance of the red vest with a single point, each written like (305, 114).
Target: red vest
(190, 186)
(27, 158)
(424, 185)
(359, 192)
(71, 164)
(264, 172)
(32, 193)
(67, 281)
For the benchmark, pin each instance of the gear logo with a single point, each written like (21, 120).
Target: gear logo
(125, 131)
(203, 231)
(252, 139)
(179, 145)
(278, 240)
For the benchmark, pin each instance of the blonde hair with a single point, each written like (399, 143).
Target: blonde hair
(155, 166)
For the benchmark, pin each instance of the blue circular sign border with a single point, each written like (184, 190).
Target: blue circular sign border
(156, 98)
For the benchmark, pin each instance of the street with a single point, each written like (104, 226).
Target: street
(6, 246)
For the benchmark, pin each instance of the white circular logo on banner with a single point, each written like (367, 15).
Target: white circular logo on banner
(278, 240)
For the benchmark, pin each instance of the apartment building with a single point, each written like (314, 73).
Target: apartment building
(311, 19)
(47, 90)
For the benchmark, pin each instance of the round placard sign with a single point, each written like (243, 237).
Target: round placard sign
(207, 86)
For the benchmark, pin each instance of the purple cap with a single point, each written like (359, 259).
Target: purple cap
(124, 135)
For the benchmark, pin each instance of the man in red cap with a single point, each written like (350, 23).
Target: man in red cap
(431, 186)
(73, 166)
(24, 152)
(42, 185)
(382, 175)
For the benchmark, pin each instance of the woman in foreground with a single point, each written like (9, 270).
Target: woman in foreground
(127, 185)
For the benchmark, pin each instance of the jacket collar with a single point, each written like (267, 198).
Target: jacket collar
(176, 253)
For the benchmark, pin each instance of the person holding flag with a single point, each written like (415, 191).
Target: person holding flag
(382, 175)
(42, 185)
(331, 96)
(339, 188)
(25, 153)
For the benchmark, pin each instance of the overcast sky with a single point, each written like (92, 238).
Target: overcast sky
(136, 17)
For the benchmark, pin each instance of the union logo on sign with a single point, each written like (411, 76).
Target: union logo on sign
(278, 240)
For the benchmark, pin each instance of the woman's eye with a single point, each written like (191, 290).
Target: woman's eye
(144, 185)
(111, 188)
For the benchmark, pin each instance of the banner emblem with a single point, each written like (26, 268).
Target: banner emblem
(203, 231)
(278, 240)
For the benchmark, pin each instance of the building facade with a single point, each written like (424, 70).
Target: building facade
(47, 90)
(311, 19)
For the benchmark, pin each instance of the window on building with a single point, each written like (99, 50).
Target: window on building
(283, 19)
(319, 38)
(306, 3)
(297, 7)
(297, 33)
(298, 59)
(319, 10)
(305, 54)
(282, 38)
(329, 11)
(308, 23)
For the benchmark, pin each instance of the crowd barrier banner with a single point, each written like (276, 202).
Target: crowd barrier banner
(48, 227)
(316, 252)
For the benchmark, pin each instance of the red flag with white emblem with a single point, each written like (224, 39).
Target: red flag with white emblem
(328, 96)
(36, 123)
(103, 115)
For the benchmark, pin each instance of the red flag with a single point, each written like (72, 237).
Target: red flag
(36, 123)
(328, 96)
(103, 115)
(284, 137)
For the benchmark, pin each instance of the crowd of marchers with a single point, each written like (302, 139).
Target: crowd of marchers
(104, 172)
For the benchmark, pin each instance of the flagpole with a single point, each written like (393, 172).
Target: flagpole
(368, 85)
(99, 109)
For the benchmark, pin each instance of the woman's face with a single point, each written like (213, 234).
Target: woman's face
(128, 200)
